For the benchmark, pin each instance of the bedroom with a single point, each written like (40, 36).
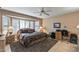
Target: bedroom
(14, 20)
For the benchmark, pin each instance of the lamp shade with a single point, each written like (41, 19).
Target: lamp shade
(10, 29)
(43, 29)
(78, 26)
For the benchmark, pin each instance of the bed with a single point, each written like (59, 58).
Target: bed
(29, 37)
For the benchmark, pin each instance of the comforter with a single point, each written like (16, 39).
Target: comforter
(27, 38)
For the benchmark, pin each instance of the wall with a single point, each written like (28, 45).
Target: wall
(70, 20)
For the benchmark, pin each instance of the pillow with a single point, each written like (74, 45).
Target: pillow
(27, 30)
(31, 30)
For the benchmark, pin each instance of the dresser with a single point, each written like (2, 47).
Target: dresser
(58, 35)
(2, 43)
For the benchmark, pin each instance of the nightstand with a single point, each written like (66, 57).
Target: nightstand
(58, 35)
(2, 43)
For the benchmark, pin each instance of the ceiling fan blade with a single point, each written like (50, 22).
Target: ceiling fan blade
(49, 11)
(40, 14)
(46, 13)
(36, 12)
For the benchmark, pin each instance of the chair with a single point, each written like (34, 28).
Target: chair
(65, 34)
(73, 38)
(52, 35)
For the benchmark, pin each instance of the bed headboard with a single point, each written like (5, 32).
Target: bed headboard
(27, 30)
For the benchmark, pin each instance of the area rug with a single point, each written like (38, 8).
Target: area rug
(42, 46)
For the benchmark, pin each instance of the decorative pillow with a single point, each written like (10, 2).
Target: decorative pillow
(27, 30)
(31, 30)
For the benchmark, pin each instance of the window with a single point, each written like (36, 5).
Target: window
(27, 24)
(15, 24)
(22, 24)
(32, 24)
(37, 26)
(5, 21)
(18, 24)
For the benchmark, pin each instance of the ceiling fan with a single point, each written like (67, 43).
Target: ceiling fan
(43, 12)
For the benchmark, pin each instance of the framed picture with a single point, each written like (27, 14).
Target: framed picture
(57, 25)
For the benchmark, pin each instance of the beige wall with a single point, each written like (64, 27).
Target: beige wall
(70, 20)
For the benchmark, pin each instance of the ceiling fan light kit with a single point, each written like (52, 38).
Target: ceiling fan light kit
(43, 12)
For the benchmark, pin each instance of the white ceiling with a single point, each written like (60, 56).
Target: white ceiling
(54, 11)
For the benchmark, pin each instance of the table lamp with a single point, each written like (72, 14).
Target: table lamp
(43, 29)
(77, 26)
(10, 29)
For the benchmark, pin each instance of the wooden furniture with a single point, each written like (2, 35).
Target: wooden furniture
(10, 38)
(58, 35)
(2, 43)
(64, 46)
(65, 34)
(74, 38)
